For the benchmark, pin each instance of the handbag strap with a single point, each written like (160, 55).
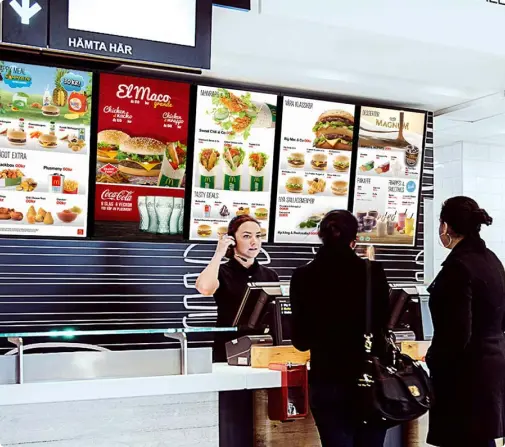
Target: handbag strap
(368, 298)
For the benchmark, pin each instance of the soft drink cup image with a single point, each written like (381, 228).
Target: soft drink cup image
(144, 215)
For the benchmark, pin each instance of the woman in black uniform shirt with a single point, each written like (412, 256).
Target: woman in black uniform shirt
(228, 282)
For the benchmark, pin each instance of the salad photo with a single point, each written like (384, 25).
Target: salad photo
(238, 114)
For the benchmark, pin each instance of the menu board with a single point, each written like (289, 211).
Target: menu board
(388, 175)
(141, 156)
(314, 168)
(45, 116)
(232, 171)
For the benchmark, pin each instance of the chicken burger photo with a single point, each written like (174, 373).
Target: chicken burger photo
(16, 137)
(261, 213)
(108, 145)
(319, 162)
(204, 230)
(50, 111)
(294, 185)
(141, 157)
(339, 187)
(341, 163)
(334, 130)
(296, 160)
(48, 141)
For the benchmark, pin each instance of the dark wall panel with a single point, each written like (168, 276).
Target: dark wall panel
(50, 285)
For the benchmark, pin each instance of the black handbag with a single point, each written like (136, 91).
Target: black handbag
(393, 388)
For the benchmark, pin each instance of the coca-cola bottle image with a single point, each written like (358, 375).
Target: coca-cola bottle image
(151, 211)
(164, 208)
(144, 215)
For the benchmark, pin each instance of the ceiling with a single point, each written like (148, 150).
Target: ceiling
(433, 55)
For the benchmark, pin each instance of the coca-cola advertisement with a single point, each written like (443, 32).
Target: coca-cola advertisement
(141, 158)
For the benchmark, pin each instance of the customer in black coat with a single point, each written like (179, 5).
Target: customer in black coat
(328, 305)
(467, 355)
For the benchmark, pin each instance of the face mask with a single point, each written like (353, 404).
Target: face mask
(442, 236)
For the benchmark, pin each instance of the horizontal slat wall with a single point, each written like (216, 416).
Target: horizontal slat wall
(50, 285)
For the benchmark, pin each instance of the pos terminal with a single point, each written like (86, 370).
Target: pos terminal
(265, 314)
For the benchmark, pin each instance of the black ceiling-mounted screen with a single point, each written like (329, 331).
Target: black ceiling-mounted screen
(174, 33)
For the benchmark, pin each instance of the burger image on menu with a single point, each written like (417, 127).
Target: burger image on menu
(222, 231)
(296, 160)
(141, 157)
(261, 213)
(108, 145)
(339, 187)
(48, 141)
(204, 230)
(294, 185)
(341, 163)
(50, 111)
(334, 130)
(16, 137)
(319, 162)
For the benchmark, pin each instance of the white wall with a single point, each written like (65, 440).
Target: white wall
(478, 171)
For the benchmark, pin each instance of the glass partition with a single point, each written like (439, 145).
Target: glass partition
(67, 333)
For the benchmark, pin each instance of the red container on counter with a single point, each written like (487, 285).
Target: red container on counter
(291, 400)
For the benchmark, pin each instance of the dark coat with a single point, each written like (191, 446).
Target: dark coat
(467, 355)
(328, 305)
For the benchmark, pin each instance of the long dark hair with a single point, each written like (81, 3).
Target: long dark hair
(464, 216)
(233, 227)
(338, 229)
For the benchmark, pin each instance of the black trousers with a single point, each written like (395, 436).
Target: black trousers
(330, 405)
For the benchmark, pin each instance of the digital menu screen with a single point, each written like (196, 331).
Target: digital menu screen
(45, 116)
(141, 158)
(388, 175)
(232, 169)
(314, 167)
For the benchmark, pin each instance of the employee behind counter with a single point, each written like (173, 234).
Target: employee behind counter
(228, 281)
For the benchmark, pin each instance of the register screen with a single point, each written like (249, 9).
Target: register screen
(172, 22)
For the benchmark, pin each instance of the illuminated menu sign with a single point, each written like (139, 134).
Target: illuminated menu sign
(233, 159)
(314, 169)
(45, 116)
(388, 175)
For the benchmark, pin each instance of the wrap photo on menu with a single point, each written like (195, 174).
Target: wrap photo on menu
(141, 158)
(173, 166)
(45, 116)
(388, 177)
(234, 147)
(314, 169)
(209, 161)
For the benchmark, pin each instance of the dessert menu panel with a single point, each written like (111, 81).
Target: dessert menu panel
(388, 175)
(141, 155)
(314, 168)
(45, 116)
(232, 169)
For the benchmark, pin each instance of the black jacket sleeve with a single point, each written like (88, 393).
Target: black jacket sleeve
(452, 315)
(301, 333)
(381, 299)
(380, 306)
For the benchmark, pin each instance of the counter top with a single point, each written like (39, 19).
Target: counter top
(222, 378)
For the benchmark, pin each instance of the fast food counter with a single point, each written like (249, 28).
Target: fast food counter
(88, 395)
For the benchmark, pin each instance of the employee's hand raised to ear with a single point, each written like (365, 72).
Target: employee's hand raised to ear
(223, 244)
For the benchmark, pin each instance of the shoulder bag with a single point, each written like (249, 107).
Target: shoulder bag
(393, 388)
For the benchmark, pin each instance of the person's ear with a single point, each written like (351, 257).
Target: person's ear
(444, 228)
(353, 244)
